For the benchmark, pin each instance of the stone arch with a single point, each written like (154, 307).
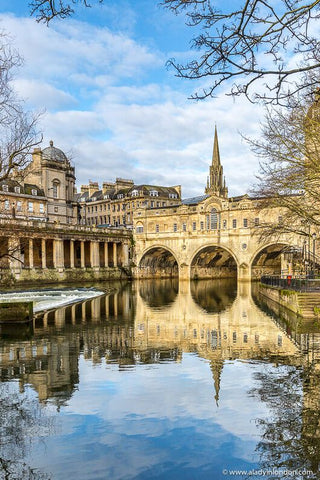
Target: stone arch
(274, 258)
(213, 261)
(158, 261)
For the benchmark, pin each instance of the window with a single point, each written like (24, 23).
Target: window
(152, 204)
(134, 193)
(173, 195)
(194, 226)
(6, 205)
(5, 188)
(234, 223)
(17, 189)
(139, 229)
(41, 208)
(245, 222)
(34, 192)
(175, 227)
(153, 193)
(55, 186)
(256, 221)
(19, 206)
(184, 227)
(30, 207)
(120, 195)
(157, 228)
(224, 223)
(164, 204)
(213, 219)
(201, 225)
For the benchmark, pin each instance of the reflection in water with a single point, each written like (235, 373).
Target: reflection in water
(164, 383)
(214, 296)
(159, 293)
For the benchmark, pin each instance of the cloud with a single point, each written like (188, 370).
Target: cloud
(108, 101)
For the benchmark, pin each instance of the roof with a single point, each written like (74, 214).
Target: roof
(195, 200)
(54, 154)
(25, 189)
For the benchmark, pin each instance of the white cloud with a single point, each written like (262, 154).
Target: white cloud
(105, 103)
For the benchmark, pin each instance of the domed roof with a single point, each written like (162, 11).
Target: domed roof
(53, 153)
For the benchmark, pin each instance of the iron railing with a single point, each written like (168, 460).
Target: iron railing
(300, 284)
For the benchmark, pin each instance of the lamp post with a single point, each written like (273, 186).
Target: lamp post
(314, 236)
(304, 256)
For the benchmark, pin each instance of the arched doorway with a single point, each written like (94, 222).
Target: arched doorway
(158, 262)
(213, 262)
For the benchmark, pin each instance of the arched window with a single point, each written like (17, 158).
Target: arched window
(55, 188)
(213, 219)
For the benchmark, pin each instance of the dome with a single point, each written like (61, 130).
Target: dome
(54, 154)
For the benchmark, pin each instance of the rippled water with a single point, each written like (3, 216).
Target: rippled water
(157, 380)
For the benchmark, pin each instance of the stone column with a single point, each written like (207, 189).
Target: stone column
(43, 254)
(94, 255)
(125, 254)
(71, 253)
(115, 260)
(82, 257)
(58, 254)
(30, 252)
(106, 256)
(14, 249)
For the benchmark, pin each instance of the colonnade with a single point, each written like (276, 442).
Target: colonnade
(62, 254)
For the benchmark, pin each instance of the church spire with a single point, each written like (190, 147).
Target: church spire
(216, 153)
(216, 184)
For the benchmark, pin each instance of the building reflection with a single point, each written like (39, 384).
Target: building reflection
(153, 322)
(148, 322)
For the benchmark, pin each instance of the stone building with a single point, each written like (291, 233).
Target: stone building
(22, 201)
(52, 172)
(115, 203)
(212, 235)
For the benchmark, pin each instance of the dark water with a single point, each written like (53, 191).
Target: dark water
(158, 380)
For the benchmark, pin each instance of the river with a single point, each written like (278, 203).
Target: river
(160, 380)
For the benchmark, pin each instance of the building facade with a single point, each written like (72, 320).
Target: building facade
(115, 203)
(212, 235)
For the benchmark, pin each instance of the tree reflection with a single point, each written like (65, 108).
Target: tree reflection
(21, 420)
(290, 435)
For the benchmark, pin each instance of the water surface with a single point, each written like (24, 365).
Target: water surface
(160, 380)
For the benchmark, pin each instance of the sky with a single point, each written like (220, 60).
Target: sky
(112, 105)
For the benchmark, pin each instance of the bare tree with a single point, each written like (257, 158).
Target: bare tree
(46, 10)
(263, 47)
(289, 179)
(18, 128)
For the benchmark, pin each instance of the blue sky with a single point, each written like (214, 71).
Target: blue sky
(112, 105)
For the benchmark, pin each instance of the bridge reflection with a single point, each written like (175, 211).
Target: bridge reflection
(148, 322)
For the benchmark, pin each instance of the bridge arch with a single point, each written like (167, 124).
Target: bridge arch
(158, 261)
(275, 258)
(213, 261)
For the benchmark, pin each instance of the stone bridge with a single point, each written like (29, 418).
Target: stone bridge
(215, 254)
